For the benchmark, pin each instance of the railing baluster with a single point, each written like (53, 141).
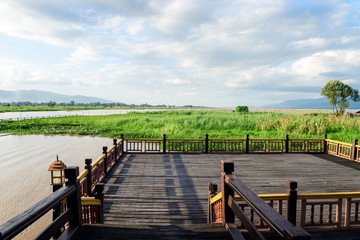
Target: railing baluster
(312, 215)
(321, 210)
(330, 214)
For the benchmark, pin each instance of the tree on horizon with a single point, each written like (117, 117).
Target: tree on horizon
(339, 94)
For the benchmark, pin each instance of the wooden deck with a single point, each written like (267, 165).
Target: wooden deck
(166, 194)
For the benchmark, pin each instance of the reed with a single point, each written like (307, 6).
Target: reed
(195, 124)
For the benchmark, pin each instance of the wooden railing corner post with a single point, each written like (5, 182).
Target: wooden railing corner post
(164, 143)
(227, 167)
(123, 142)
(115, 150)
(353, 149)
(291, 202)
(325, 143)
(206, 143)
(247, 144)
(88, 166)
(211, 194)
(105, 160)
(99, 188)
(286, 143)
(74, 200)
(57, 211)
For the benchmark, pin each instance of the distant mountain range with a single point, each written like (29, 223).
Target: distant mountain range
(44, 96)
(318, 103)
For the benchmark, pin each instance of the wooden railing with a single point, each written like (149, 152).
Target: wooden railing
(74, 201)
(71, 217)
(96, 171)
(349, 151)
(341, 149)
(206, 145)
(267, 215)
(317, 211)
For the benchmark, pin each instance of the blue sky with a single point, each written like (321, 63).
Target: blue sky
(204, 52)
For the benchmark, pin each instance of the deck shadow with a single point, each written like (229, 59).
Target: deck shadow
(202, 231)
(192, 201)
(340, 161)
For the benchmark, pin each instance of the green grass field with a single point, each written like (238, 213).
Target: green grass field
(195, 124)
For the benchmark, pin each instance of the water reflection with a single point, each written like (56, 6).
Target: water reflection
(24, 176)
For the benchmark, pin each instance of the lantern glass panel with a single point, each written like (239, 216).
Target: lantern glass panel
(56, 180)
(56, 173)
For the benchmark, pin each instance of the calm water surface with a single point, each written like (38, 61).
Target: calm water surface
(40, 114)
(24, 176)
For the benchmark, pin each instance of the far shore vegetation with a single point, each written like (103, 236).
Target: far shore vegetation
(178, 124)
(72, 106)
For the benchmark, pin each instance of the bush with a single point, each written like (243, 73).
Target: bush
(243, 109)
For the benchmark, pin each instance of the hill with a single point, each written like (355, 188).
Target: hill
(44, 96)
(317, 103)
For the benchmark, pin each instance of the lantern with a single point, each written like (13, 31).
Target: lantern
(57, 172)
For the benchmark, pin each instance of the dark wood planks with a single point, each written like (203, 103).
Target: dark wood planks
(170, 190)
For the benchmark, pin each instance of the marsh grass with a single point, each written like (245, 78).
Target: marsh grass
(195, 124)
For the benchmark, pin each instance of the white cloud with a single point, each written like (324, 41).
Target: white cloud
(311, 42)
(83, 55)
(154, 50)
(175, 81)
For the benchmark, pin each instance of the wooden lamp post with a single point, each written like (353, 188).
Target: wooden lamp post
(57, 169)
(57, 173)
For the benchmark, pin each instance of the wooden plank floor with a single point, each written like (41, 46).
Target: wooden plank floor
(169, 191)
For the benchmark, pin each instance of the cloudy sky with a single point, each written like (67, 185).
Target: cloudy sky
(199, 52)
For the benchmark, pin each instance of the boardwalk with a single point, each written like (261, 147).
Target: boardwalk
(167, 193)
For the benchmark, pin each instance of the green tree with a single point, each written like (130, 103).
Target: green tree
(50, 104)
(243, 109)
(339, 95)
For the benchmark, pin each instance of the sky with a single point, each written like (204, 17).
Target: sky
(180, 52)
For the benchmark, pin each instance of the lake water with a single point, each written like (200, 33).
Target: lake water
(41, 114)
(24, 176)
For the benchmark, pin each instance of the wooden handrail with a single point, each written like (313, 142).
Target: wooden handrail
(265, 197)
(83, 174)
(300, 196)
(98, 160)
(229, 139)
(335, 195)
(267, 139)
(278, 223)
(70, 191)
(342, 143)
(111, 149)
(306, 139)
(142, 139)
(90, 201)
(180, 139)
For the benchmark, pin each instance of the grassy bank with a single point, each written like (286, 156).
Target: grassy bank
(194, 124)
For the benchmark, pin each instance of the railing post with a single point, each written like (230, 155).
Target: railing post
(325, 143)
(105, 161)
(57, 211)
(115, 150)
(164, 143)
(247, 144)
(291, 203)
(286, 143)
(206, 143)
(227, 167)
(353, 149)
(88, 162)
(123, 142)
(74, 200)
(99, 188)
(211, 194)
